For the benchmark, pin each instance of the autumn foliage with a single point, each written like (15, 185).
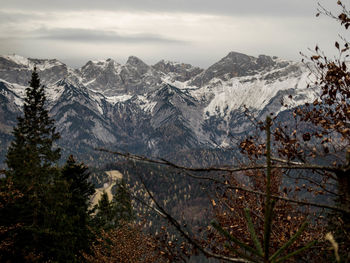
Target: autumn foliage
(126, 243)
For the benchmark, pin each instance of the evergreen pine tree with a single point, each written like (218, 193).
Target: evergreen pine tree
(110, 213)
(30, 160)
(68, 214)
(122, 202)
(80, 191)
(32, 147)
(105, 217)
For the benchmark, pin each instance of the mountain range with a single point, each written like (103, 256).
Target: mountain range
(170, 110)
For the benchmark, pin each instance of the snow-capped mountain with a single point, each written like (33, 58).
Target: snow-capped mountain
(161, 110)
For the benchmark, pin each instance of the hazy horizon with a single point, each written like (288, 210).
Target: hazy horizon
(198, 32)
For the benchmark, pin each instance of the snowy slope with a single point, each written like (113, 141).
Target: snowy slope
(157, 109)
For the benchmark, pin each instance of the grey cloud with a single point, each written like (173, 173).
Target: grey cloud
(227, 7)
(89, 35)
(15, 17)
(291, 14)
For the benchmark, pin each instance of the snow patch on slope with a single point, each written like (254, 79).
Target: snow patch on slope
(53, 93)
(40, 64)
(145, 104)
(18, 90)
(18, 59)
(255, 95)
(120, 98)
(168, 79)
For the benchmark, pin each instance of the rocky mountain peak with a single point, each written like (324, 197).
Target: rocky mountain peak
(17, 69)
(17, 61)
(242, 65)
(262, 61)
(236, 57)
(234, 65)
(177, 71)
(136, 62)
(98, 64)
(12, 60)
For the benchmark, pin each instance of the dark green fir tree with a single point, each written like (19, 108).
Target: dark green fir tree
(116, 212)
(105, 217)
(69, 215)
(80, 191)
(32, 148)
(31, 160)
(122, 202)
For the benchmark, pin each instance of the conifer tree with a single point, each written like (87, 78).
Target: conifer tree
(122, 202)
(34, 136)
(105, 217)
(68, 215)
(30, 160)
(80, 190)
(116, 212)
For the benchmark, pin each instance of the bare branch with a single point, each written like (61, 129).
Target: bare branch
(227, 168)
(146, 204)
(237, 169)
(178, 227)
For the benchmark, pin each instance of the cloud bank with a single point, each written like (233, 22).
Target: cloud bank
(195, 31)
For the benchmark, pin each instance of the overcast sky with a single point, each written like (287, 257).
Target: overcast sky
(199, 32)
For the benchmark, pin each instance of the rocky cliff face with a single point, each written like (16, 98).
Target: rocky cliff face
(111, 78)
(158, 110)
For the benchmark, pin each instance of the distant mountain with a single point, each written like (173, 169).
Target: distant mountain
(170, 109)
